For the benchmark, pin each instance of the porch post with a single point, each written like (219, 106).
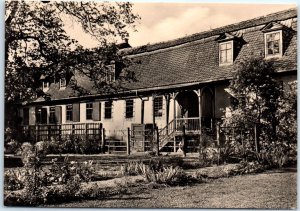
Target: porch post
(200, 117)
(200, 109)
(167, 111)
(174, 119)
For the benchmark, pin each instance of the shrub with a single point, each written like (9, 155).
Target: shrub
(168, 175)
(277, 154)
(132, 168)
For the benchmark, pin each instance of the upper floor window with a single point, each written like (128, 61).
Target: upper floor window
(158, 106)
(69, 112)
(129, 109)
(45, 85)
(273, 44)
(226, 52)
(273, 33)
(109, 75)
(108, 110)
(62, 82)
(89, 111)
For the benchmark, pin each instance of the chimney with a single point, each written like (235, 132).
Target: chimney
(126, 40)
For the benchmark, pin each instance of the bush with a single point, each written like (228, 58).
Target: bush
(277, 154)
(132, 168)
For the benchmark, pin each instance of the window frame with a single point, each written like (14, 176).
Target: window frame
(129, 107)
(89, 111)
(62, 85)
(106, 116)
(110, 73)
(220, 53)
(279, 54)
(67, 113)
(156, 109)
(52, 117)
(45, 87)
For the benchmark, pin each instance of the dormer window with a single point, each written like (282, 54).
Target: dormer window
(273, 40)
(109, 75)
(45, 86)
(226, 52)
(62, 83)
(229, 46)
(273, 44)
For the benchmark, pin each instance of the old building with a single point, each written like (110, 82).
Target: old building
(178, 81)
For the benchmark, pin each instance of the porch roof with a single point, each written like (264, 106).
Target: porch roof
(195, 58)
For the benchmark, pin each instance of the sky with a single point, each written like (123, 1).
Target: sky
(166, 21)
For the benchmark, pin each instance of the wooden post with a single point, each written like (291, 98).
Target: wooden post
(59, 132)
(86, 131)
(157, 141)
(49, 131)
(256, 137)
(184, 147)
(167, 111)
(128, 141)
(103, 141)
(174, 143)
(218, 141)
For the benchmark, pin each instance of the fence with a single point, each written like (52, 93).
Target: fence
(35, 133)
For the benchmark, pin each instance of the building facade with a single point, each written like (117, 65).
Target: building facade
(182, 81)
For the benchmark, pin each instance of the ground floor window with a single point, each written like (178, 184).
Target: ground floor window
(52, 115)
(158, 106)
(108, 110)
(89, 111)
(69, 113)
(129, 109)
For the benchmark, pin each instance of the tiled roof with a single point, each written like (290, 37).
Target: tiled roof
(195, 58)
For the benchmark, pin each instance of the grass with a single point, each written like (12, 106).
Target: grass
(271, 190)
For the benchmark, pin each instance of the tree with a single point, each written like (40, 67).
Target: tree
(258, 95)
(36, 43)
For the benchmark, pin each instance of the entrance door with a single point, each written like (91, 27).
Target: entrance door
(138, 137)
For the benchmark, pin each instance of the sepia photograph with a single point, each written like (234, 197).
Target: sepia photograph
(114, 104)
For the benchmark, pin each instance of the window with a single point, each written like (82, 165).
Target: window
(110, 73)
(129, 109)
(52, 118)
(45, 85)
(41, 115)
(69, 112)
(108, 110)
(89, 111)
(158, 106)
(273, 43)
(62, 83)
(226, 52)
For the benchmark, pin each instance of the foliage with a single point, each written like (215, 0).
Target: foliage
(132, 168)
(37, 44)
(257, 93)
(277, 154)
(287, 115)
(69, 144)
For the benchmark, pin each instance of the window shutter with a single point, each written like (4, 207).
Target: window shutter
(58, 114)
(96, 111)
(76, 112)
(44, 116)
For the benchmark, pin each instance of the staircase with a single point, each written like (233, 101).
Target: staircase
(166, 134)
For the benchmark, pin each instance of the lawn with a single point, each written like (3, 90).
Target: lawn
(272, 190)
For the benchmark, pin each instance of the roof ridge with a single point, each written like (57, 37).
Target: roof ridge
(280, 15)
